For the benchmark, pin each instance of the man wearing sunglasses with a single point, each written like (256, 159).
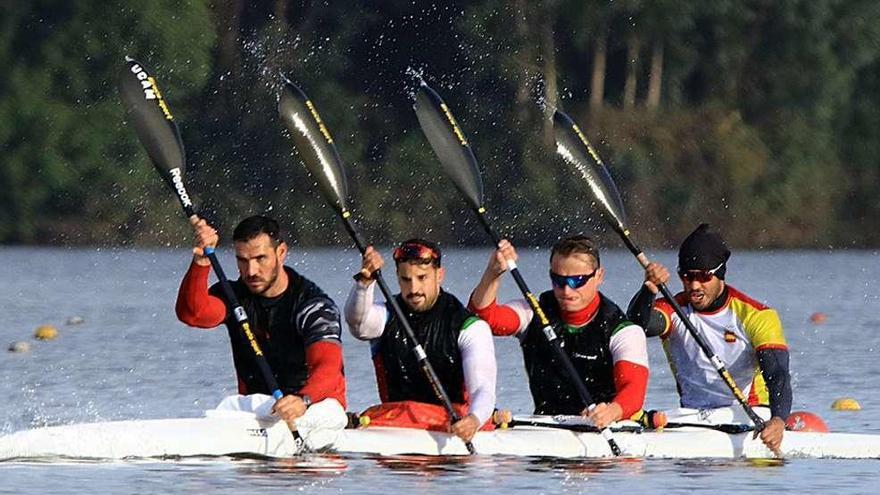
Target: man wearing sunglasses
(458, 345)
(608, 351)
(744, 333)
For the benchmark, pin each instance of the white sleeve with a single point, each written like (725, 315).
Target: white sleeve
(478, 360)
(629, 344)
(366, 319)
(525, 314)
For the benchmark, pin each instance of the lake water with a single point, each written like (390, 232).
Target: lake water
(131, 359)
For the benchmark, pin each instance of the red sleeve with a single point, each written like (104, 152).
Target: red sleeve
(195, 306)
(324, 360)
(665, 310)
(631, 382)
(501, 319)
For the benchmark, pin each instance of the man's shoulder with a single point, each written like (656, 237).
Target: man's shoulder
(737, 296)
(452, 298)
(609, 310)
(303, 288)
(663, 305)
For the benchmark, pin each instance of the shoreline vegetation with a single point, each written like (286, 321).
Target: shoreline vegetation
(762, 118)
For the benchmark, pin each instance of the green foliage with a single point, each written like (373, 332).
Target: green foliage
(768, 124)
(69, 168)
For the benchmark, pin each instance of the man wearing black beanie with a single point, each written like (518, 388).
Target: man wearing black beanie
(746, 335)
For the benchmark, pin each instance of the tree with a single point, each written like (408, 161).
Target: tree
(66, 158)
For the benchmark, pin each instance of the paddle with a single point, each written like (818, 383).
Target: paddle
(460, 164)
(315, 146)
(729, 428)
(159, 135)
(576, 427)
(574, 148)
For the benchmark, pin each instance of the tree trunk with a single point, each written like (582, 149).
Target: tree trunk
(655, 79)
(228, 15)
(280, 11)
(632, 65)
(526, 59)
(551, 91)
(597, 82)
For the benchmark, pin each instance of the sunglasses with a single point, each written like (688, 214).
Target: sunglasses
(572, 281)
(701, 276)
(410, 252)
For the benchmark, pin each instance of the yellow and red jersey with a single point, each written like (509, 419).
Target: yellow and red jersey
(735, 332)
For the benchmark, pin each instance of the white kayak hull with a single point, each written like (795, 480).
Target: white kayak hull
(244, 434)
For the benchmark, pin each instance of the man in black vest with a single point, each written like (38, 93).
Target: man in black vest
(608, 351)
(458, 345)
(294, 322)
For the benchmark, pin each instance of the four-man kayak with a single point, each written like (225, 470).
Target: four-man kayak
(224, 433)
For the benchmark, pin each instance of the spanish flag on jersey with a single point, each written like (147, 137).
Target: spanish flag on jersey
(735, 332)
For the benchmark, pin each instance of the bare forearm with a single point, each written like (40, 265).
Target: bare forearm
(486, 290)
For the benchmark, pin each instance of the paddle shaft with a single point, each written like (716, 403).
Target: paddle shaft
(730, 429)
(548, 331)
(698, 337)
(239, 313)
(417, 349)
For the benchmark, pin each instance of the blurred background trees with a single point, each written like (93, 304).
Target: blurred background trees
(759, 116)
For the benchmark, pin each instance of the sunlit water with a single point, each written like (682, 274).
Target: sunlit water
(131, 359)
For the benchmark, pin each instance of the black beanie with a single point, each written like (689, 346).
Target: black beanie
(704, 249)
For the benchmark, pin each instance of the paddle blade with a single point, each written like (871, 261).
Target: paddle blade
(573, 147)
(155, 126)
(314, 144)
(449, 144)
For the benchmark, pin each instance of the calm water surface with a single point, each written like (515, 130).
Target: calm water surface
(131, 359)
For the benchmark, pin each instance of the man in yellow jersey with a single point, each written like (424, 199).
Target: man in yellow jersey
(746, 335)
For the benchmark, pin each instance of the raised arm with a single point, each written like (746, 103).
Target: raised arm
(486, 290)
(195, 306)
(366, 319)
(503, 320)
(641, 307)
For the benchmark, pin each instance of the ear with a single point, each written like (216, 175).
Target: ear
(281, 251)
(441, 274)
(600, 276)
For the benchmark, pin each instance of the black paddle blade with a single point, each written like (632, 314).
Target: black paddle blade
(449, 144)
(155, 126)
(314, 144)
(573, 147)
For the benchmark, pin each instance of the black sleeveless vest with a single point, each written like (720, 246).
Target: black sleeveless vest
(273, 324)
(589, 351)
(397, 370)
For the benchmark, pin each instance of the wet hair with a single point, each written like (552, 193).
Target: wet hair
(409, 252)
(576, 244)
(251, 227)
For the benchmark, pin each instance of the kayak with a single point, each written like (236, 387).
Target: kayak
(238, 433)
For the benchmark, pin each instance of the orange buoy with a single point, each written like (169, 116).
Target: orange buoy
(818, 318)
(846, 404)
(46, 332)
(805, 421)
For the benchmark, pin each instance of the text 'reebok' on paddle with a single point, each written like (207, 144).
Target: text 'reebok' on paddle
(160, 136)
(576, 150)
(315, 146)
(459, 163)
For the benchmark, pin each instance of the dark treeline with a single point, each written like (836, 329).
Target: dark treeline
(761, 116)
